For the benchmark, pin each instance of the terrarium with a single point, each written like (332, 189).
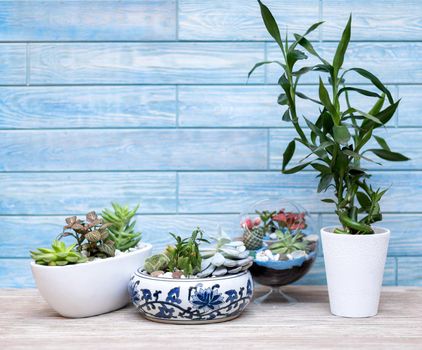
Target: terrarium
(282, 241)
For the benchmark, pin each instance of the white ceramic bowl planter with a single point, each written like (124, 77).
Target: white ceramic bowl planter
(90, 288)
(191, 300)
(354, 265)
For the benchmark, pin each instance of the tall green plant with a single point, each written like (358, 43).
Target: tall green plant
(337, 139)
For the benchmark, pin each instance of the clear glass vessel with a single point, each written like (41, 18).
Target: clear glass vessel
(281, 236)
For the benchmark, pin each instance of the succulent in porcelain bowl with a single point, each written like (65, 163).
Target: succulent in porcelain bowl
(191, 300)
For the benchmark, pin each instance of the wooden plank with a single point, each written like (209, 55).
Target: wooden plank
(87, 107)
(12, 64)
(241, 20)
(15, 273)
(68, 193)
(15, 241)
(406, 236)
(398, 325)
(236, 191)
(251, 106)
(398, 139)
(373, 20)
(235, 106)
(410, 271)
(410, 109)
(87, 20)
(144, 149)
(392, 62)
(144, 63)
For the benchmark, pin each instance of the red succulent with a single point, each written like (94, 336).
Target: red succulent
(292, 221)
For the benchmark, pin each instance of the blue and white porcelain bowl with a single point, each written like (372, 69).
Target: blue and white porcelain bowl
(191, 300)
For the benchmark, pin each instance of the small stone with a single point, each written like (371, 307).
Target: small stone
(283, 257)
(312, 246)
(157, 273)
(269, 254)
(261, 257)
(297, 254)
(311, 238)
(177, 274)
(273, 236)
(276, 257)
(167, 275)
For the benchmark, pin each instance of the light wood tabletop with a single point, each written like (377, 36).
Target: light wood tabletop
(26, 322)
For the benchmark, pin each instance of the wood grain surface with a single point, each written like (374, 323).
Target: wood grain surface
(26, 322)
(87, 20)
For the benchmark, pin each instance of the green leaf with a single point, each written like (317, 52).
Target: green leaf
(378, 105)
(385, 115)
(321, 168)
(349, 223)
(271, 24)
(375, 81)
(315, 129)
(305, 43)
(342, 47)
(327, 68)
(359, 156)
(259, 64)
(388, 155)
(325, 97)
(324, 182)
(295, 169)
(370, 117)
(293, 56)
(302, 70)
(288, 153)
(286, 116)
(328, 200)
(363, 199)
(313, 27)
(282, 100)
(382, 143)
(361, 91)
(341, 134)
(363, 140)
(303, 96)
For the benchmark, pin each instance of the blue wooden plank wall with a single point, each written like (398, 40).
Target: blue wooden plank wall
(146, 101)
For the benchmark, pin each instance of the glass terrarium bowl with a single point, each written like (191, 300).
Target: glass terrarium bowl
(282, 240)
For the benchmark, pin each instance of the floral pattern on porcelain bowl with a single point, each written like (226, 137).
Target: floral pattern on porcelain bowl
(191, 300)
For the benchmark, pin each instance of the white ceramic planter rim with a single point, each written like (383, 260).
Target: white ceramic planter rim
(190, 280)
(378, 230)
(144, 247)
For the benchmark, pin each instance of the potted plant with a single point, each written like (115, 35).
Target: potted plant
(194, 281)
(282, 243)
(338, 139)
(89, 277)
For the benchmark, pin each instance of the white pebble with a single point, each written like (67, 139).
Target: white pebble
(297, 254)
(311, 238)
(167, 275)
(268, 254)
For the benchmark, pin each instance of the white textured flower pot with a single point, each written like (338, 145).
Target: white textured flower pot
(354, 266)
(91, 288)
(191, 300)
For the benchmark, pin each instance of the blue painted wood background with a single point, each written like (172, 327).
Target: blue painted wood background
(146, 101)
